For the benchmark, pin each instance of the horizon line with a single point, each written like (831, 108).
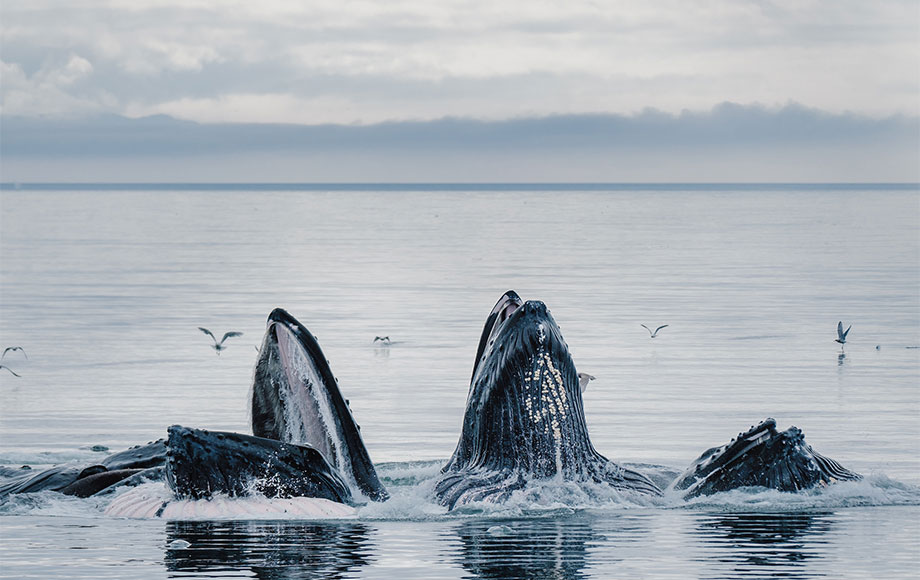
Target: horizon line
(447, 185)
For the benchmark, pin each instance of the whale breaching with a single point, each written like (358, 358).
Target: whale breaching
(841, 333)
(219, 346)
(655, 333)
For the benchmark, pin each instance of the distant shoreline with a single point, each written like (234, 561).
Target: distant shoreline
(267, 186)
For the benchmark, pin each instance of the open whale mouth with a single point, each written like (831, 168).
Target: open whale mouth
(296, 399)
(504, 308)
(762, 456)
(524, 417)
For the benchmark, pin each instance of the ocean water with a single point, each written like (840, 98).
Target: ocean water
(104, 288)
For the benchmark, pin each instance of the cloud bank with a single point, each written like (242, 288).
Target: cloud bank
(728, 143)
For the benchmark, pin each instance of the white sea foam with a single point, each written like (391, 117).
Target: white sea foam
(155, 501)
(411, 489)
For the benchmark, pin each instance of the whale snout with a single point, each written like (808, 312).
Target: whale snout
(535, 308)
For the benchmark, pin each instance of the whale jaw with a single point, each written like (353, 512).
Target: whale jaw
(761, 457)
(201, 464)
(296, 399)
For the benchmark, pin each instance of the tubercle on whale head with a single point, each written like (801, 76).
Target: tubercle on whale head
(718, 456)
(296, 398)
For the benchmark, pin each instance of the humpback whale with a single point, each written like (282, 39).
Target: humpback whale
(139, 463)
(762, 456)
(295, 398)
(305, 441)
(524, 417)
(524, 421)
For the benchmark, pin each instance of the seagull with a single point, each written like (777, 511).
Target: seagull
(9, 369)
(653, 334)
(842, 334)
(14, 348)
(219, 346)
(584, 379)
(382, 339)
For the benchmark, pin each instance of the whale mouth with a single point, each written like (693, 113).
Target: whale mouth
(296, 399)
(524, 416)
(762, 456)
(507, 305)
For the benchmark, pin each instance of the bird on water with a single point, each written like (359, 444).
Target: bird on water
(841, 333)
(219, 346)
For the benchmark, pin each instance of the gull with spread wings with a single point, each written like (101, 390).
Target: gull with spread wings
(14, 349)
(219, 346)
(841, 333)
(653, 334)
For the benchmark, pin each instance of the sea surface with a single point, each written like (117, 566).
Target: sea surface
(105, 288)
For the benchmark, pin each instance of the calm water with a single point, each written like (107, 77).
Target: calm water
(105, 289)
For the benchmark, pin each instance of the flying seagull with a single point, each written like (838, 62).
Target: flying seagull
(382, 339)
(9, 369)
(219, 346)
(14, 348)
(841, 333)
(584, 379)
(653, 334)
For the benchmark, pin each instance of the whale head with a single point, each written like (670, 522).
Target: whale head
(524, 415)
(201, 463)
(761, 456)
(296, 399)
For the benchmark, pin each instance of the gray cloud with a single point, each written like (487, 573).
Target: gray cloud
(730, 142)
(316, 62)
(457, 91)
(726, 125)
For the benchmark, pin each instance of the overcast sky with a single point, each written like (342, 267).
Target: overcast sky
(338, 62)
